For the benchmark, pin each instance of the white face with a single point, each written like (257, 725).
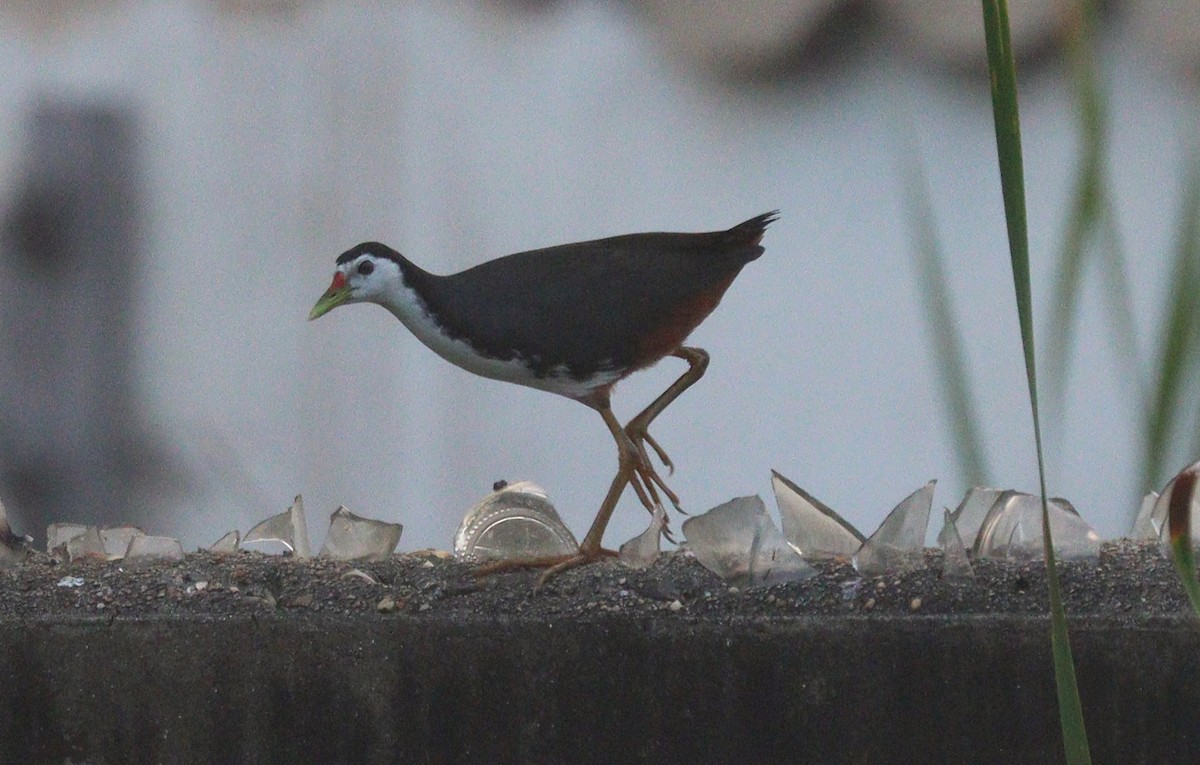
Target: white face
(366, 278)
(369, 278)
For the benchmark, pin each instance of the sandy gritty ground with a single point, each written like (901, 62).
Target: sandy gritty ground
(1130, 581)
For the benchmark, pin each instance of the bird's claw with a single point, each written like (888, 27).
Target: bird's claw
(645, 479)
(662, 454)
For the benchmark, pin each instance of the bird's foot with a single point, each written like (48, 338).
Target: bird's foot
(638, 432)
(643, 437)
(554, 564)
(646, 480)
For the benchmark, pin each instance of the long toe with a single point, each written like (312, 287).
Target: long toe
(518, 564)
(655, 483)
(581, 558)
(644, 470)
(662, 454)
(637, 432)
(554, 564)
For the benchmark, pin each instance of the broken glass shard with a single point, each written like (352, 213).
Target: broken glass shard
(1160, 513)
(58, 534)
(351, 537)
(144, 548)
(227, 544)
(288, 528)
(812, 527)
(1012, 530)
(969, 514)
(898, 544)
(116, 540)
(515, 521)
(13, 549)
(642, 550)
(1144, 525)
(86, 545)
(738, 542)
(955, 563)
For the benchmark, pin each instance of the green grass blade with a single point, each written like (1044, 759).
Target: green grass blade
(1003, 76)
(1091, 225)
(1177, 353)
(943, 325)
(1119, 294)
(1179, 519)
(1082, 228)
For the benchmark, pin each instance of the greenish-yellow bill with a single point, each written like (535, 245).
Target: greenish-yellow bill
(338, 293)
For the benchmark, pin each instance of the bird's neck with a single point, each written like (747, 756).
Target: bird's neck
(407, 300)
(404, 296)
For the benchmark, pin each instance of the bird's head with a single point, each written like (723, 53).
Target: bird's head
(365, 274)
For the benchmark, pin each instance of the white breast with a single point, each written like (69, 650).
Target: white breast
(408, 307)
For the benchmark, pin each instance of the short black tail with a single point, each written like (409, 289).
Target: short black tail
(751, 232)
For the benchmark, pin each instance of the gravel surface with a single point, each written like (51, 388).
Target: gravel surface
(1129, 581)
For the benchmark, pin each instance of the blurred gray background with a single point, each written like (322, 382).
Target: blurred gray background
(176, 179)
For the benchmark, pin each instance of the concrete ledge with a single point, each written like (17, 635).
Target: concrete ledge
(611, 688)
(262, 659)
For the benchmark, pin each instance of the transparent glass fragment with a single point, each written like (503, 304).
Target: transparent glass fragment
(1160, 513)
(642, 550)
(1145, 525)
(58, 534)
(812, 527)
(116, 540)
(899, 543)
(13, 549)
(515, 521)
(955, 563)
(969, 514)
(1012, 530)
(227, 544)
(144, 548)
(289, 528)
(351, 537)
(738, 542)
(86, 545)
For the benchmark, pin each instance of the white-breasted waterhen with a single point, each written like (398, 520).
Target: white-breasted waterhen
(573, 320)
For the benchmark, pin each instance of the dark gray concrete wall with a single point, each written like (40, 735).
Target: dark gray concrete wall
(796, 690)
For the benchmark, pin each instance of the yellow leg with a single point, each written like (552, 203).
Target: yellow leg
(590, 549)
(633, 468)
(638, 427)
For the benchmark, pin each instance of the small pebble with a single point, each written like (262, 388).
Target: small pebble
(869, 604)
(734, 590)
(386, 605)
(675, 605)
(915, 604)
(427, 564)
